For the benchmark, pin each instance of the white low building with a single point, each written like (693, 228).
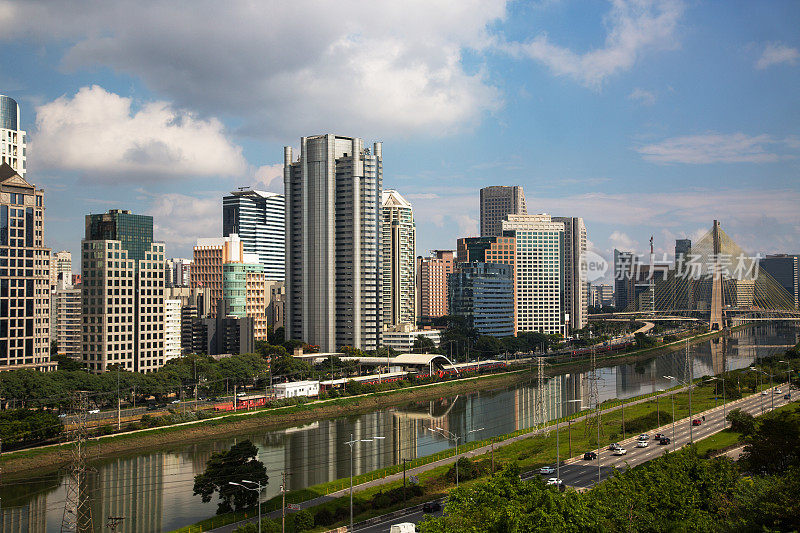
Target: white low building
(296, 388)
(403, 339)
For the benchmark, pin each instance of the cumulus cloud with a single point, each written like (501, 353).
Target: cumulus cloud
(103, 135)
(775, 54)
(621, 241)
(269, 177)
(180, 219)
(719, 148)
(288, 68)
(643, 97)
(634, 27)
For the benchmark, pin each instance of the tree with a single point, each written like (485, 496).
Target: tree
(772, 448)
(303, 521)
(741, 422)
(291, 367)
(233, 465)
(423, 344)
(488, 346)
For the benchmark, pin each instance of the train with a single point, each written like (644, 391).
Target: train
(243, 403)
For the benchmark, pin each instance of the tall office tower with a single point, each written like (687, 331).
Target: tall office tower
(172, 328)
(123, 293)
(576, 285)
(60, 262)
(177, 272)
(684, 290)
(432, 283)
(624, 263)
(497, 202)
(490, 250)
(12, 138)
(258, 218)
(333, 242)
(65, 316)
(195, 304)
(483, 293)
(399, 260)
(539, 243)
(245, 293)
(785, 268)
(24, 278)
(209, 256)
(683, 247)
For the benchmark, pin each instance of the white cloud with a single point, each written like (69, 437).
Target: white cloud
(103, 136)
(287, 68)
(775, 54)
(621, 241)
(719, 148)
(179, 219)
(270, 177)
(643, 97)
(634, 26)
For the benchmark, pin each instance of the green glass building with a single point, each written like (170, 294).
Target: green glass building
(135, 232)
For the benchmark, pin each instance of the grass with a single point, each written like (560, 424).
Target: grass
(717, 442)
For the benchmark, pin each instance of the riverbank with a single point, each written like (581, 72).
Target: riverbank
(47, 457)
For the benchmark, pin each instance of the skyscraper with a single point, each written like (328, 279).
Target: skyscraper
(258, 218)
(12, 138)
(333, 242)
(60, 262)
(432, 283)
(539, 243)
(209, 257)
(177, 272)
(65, 316)
(24, 277)
(399, 260)
(624, 263)
(576, 286)
(483, 293)
(123, 293)
(497, 202)
(785, 268)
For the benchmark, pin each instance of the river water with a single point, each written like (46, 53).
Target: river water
(152, 490)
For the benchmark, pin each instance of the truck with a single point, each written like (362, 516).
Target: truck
(404, 527)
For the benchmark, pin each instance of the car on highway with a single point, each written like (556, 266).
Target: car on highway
(431, 507)
(777, 391)
(94, 411)
(664, 440)
(404, 527)
(614, 446)
(643, 436)
(555, 481)
(152, 407)
(763, 393)
(620, 451)
(175, 401)
(787, 396)
(547, 470)
(697, 422)
(642, 444)
(62, 415)
(659, 436)
(590, 456)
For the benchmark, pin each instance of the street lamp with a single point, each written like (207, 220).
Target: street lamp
(558, 442)
(449, 435)
(772, 390)
(716, 378)
(258, 493)
(351, 443)
(788, 377)
(673, 414)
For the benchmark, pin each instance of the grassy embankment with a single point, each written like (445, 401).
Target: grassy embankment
(529, 454)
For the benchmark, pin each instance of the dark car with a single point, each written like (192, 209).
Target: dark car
(590, 456)
(659, 436)
(431, 507)
(152, 407)
(663, 440)
(787, 396)
(696, 422)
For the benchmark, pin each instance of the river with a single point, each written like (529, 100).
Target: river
(152, 489)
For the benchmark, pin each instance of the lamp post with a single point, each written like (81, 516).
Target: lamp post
(258, 493)
(449, 435)
(352, 443)
(558, 445)
(788, 377)
(717, 378)
(673, 414)
(760, 387)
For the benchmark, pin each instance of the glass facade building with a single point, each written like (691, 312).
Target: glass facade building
(484, 294)
(134, 232)
(12, 138)
(258, 218)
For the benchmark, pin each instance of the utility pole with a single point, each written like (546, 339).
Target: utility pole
(689, 371)
(77, 515)
(540, 410)
(593, 398)
(283, 502)
(404, 477)
(492, 457)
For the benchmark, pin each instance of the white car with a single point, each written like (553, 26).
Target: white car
(763, 393)
(94, 411)
(555, 481)
(643, 436)
(777, 391)
(620, 451)
(614, 446)
(547, 470)
(642, 444)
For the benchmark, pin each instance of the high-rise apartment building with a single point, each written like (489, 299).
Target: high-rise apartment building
(483, 293)
(65, 316)
(576, 285)
(496, 203)
(399, 260)
(60, 262)
(172, 328)
(195, 304)
(123, 293)
(258, 218)
(785, 268)
(209, 257)
(624, 278)
(432, 273)
(333, 242)
(177, 272)
(12, 138)
(539, 244)
(24, 276)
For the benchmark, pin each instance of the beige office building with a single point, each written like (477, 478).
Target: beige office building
(576, 286)
(497, 202)
(399, 260)
(432, 283)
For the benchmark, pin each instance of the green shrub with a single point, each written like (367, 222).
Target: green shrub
(324, 517)
(303, 521)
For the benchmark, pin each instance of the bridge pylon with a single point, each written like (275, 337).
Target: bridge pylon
(717, 321)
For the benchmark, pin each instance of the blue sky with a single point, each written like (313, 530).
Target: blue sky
(642, 117)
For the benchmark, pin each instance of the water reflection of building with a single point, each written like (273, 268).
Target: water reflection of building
(28, 518)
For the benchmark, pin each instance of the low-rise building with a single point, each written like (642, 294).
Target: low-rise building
(403, 336)
(296, 388)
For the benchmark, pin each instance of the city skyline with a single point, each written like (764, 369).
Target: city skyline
(629, 115)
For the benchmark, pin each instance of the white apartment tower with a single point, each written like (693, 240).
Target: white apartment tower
(12, 138)
(258, 218)
(576, 285)
(497, 202)
(333, 242)
(123, 293)
(399, 260)
(172, 329)
(65, 316)
(539, 242)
